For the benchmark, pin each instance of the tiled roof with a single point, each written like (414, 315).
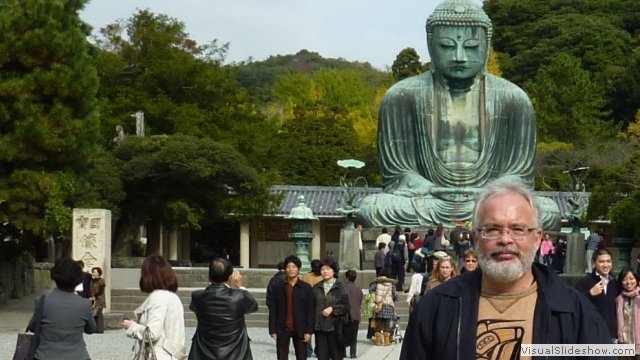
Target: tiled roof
(325, 200)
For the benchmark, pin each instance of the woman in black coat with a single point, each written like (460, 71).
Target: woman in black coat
(331, 303)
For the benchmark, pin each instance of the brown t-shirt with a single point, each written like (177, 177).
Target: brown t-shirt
(505, 321)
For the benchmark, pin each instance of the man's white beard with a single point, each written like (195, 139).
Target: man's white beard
(505, 271)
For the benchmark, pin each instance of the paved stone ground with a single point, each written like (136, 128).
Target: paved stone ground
(114, 345)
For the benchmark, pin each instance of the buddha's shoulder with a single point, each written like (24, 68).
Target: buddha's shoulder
(413, 83)
(499, 84)
(410, 88)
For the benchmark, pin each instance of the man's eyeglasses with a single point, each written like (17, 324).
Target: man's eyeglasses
(515, 233)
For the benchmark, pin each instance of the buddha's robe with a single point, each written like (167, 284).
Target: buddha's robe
(425, 182)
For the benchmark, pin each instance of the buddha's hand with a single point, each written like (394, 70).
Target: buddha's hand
(410, 185)
(455, 194)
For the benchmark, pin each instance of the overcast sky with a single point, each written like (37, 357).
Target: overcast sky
(373, 31)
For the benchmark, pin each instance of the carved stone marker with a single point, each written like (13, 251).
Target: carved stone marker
(92, 243)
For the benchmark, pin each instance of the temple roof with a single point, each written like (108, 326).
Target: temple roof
(325, 200)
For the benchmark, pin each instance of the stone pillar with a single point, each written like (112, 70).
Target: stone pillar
(575, 261)
(173, 245)
(349, 253)
(92, 243)
(315, 242)
(245, 249)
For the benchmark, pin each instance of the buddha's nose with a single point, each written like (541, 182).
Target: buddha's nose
(460, 54)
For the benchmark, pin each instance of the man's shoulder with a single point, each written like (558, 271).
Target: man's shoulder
(302, 284)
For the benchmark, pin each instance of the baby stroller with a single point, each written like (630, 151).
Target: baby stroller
(396, 333)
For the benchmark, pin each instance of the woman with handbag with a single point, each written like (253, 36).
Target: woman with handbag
(384, 296)
(331, 306)
(160, 319)
(96, 295)
(65, 316)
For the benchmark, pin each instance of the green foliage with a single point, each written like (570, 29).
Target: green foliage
(184, 181)
(625, 216)
(48, 125)
(551, 160)
(181, 87)
(406, 64)
(311, 143)
(327, 116)
(571, 110)
(619, 181)
(531, 33)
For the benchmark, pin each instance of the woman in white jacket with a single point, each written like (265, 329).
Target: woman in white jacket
(161, 313)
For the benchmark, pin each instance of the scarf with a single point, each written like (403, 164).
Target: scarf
(633, 296)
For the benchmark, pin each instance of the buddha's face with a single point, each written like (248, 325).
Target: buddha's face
(458, 52)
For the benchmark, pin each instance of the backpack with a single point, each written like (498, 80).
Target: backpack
(397, 255)
(387, 259)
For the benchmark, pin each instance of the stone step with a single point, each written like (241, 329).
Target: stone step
(125, 301)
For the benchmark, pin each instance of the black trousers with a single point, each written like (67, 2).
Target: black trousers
(353, 347)
(299, 346)
(328, 346)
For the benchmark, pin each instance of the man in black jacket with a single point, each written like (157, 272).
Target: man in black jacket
(509, 301)
(601, 288)
(291, 311)
(221, 332)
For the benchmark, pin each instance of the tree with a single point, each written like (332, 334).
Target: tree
(184, 182)
(48, 123)
(571, 110)
(406, 64)
(529, 33)
(181, 86)
(327, 116)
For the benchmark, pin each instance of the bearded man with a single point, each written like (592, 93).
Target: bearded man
(509, 301)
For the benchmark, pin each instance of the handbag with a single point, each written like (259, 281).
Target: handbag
(27, 342)
(145, 347)
(444, 242)
(344, 329)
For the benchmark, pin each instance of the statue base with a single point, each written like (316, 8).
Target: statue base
(349, 252)
(575, 262)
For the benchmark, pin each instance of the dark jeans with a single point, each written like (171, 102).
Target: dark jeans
(99, 321)
(353, 347)
(328, 347)
(299, 346)
(397, 271)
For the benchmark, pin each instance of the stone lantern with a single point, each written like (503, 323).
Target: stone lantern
(301, 218)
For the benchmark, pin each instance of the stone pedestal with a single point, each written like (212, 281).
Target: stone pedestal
(92, 243)
(349, 254)
(575, 261)
(623, 258)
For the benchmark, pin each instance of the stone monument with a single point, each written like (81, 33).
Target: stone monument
(444, 134)
(92, 243)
